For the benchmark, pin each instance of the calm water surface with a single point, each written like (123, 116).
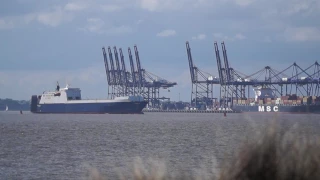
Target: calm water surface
(65, 146)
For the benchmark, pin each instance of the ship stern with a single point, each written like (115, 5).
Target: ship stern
(34, 104)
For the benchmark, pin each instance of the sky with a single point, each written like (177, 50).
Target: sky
(42, 42)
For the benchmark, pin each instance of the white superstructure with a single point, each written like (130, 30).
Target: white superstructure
(261, 92)
(73, 95)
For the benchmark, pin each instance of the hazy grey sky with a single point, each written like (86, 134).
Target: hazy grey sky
(60, 40)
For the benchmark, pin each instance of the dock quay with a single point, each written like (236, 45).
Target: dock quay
(189, 111)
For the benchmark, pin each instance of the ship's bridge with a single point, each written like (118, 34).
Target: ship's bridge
(72, 93)
(61, 95)
(261, 93)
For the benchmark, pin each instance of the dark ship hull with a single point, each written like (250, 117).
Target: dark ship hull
(265, 101)
(301, 108)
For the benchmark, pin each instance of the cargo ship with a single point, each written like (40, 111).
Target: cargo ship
(68, 100)
(266, 101)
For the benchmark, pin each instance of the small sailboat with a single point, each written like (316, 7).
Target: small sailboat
(7, 108)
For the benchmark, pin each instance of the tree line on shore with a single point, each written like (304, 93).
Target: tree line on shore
(14, 105)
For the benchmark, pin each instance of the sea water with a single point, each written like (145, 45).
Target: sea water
(55, 146)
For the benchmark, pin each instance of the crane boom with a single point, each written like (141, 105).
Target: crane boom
(106, 65)
(226, 62)
(124, 71)
(219, 63)
(190, 62)
(118, 66)
(132, 67)
(138, 65)
(114, 78)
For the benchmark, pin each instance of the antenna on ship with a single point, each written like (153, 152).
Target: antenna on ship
(67, 84)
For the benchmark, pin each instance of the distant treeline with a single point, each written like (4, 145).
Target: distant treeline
(14, 105)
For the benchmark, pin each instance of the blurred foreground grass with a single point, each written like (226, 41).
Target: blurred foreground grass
(270, 155)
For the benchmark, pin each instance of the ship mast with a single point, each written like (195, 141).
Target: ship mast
(58, 87)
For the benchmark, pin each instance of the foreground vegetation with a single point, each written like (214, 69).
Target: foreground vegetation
(270, 155)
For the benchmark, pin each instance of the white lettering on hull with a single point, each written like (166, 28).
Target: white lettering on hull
(261, 108)
(268, 109)
(275, 108)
